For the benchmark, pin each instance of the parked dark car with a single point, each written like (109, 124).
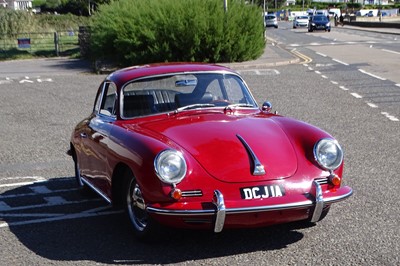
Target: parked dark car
(319, 23)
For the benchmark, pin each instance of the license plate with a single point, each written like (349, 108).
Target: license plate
(262, 192)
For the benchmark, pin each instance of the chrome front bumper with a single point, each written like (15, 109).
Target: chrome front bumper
(220, 211)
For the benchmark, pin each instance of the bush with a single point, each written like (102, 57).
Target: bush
(138, 32)
(51, 22)
(14, 22)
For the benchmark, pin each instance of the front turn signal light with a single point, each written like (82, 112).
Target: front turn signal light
(335, 180)
(176, 194)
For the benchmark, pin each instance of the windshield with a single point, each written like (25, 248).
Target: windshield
(320, 19)
(184, 92)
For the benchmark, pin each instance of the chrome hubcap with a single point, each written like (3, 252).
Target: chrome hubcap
(137, 207)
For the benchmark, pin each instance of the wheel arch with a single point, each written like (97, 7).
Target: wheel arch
(72, 151)
(120, 173)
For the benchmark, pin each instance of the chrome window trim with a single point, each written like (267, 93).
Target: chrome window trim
(222, 72)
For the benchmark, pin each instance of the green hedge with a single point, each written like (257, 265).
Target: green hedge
(135, 31)
(15, 22)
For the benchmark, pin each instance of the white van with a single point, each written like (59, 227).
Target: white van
(322, 12)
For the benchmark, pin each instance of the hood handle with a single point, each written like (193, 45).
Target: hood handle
(258, 168)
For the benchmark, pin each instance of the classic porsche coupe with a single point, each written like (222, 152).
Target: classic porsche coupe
(186, 145)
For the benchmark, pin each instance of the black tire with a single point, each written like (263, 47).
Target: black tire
(307, 223)
(78, 177)
(85, 189)
(144, 227)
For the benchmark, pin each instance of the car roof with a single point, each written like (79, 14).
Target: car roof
(134, 72)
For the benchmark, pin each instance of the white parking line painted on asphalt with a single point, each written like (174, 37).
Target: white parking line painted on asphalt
(47, 79)
(259, 71)
(62, 217)
(325, 77)
(40, 190)
(4, 206)
(24, 215)
(398, 85)
(321, 54)
(316, 71)
(26, 80)
(334, 82)
(10, 196)
(372, 105)
(390, 117)
(343, 88)
(50, 203)
(36, 179)
(340, 62)
(390, 51)
(323, 65)
(356, 95)
(56, 200)
(370, 74)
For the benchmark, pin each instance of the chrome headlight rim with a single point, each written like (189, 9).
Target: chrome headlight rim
(333, 164)
(165, 163)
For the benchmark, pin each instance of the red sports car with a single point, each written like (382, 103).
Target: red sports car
(186, 145)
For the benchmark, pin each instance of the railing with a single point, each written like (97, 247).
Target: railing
(43, 43)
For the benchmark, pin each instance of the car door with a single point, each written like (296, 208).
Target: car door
(96, 139)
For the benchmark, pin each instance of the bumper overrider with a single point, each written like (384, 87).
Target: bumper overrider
(315, 200)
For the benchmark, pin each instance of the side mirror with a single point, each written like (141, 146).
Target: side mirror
(267, 106)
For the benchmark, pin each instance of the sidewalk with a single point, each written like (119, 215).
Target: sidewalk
(395, 31)
(273, 56)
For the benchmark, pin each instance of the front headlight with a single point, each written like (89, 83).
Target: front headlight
(328, 154)
(170, 166)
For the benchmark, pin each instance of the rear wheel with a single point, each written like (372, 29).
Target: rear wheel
(143, 225)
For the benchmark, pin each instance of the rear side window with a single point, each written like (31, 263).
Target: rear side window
(106, 101)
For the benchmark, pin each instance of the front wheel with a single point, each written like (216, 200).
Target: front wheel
(143, 225)
(307, 223)
(78, 176)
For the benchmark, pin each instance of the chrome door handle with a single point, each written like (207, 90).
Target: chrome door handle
(83, 135)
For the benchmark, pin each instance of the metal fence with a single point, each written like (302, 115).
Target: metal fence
(58, 43)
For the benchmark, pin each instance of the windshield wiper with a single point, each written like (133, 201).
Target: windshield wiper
(235, 105)
(195, 106)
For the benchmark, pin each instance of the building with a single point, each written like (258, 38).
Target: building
(16, 4)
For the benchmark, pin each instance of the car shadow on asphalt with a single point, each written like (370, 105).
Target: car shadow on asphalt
(109, 238)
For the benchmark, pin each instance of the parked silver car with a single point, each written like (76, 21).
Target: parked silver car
(270, 20)
(300, 21)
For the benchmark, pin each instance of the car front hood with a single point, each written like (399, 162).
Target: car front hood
(226, 145)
